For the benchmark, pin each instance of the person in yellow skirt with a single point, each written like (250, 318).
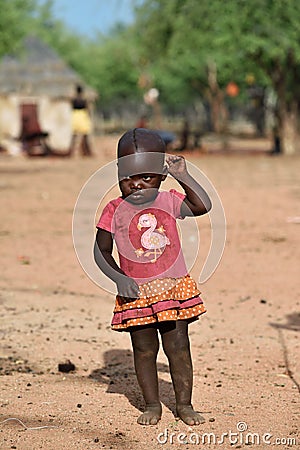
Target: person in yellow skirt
(81, 123)
(156, 294)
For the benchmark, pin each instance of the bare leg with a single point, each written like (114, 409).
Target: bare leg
(85, 146)
(145, 348)
(72, 144)
(177, 349)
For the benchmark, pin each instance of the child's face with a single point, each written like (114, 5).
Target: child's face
(140, 176)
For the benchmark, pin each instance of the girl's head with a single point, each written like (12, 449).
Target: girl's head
(79, 89)
(140, 140)
(141, 168)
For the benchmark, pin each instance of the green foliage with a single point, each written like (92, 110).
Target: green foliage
(183, 36)
(106, 64)
(172, 42)
(269, 36)
(15, 21)
(117, 75)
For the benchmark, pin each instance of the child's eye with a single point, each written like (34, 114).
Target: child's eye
(146, 178)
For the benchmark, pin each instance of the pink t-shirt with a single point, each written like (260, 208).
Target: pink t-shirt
(147, 239)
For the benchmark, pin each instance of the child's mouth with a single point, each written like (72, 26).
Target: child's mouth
(136, 194)
(136, 197)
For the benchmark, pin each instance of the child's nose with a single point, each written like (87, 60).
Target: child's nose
(136, 183)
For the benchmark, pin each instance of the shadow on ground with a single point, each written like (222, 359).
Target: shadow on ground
(119, 375)
(293, 324)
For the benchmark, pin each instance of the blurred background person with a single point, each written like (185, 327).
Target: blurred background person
(81, 123)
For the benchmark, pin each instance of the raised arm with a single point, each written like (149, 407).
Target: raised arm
(103, 248)
(197, 202)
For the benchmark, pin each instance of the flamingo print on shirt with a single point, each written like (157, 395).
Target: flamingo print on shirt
(153, 239)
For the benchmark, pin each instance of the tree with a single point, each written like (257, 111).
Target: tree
(117, 73)
(106, 63)
(269, 34)
(236, 36)
(15, 20)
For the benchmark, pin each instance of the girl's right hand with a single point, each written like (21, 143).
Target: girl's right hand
(128, 289)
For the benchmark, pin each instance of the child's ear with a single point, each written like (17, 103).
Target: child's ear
(164, 173)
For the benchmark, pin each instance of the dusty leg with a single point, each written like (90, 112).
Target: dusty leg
(72, 145)
(177, 349)
(145, 348)
(85, 146)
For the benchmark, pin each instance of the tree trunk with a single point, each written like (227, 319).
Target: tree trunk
(289, 130)
(286, 116)
(215, 95)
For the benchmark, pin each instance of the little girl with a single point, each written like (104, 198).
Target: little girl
(155, 291)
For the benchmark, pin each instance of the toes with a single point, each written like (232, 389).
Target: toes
(199, 419)
(141, 420)
(189, 416)
(154, 420)
(150, 417)
(148, 420)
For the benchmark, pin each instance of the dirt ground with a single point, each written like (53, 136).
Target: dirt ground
(245, 348)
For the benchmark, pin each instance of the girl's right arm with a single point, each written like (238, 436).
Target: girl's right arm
(103, 248)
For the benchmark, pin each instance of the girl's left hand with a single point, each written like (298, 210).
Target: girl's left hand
(176, 165)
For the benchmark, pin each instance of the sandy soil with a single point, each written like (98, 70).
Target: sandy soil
(245, 348)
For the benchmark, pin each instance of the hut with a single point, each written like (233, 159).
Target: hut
(37, 86)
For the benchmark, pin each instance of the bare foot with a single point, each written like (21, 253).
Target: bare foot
(151, 415)
(188, 415)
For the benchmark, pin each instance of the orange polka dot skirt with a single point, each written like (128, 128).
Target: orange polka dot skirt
(160, 300)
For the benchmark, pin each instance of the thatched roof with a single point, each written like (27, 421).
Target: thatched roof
(39, 71)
